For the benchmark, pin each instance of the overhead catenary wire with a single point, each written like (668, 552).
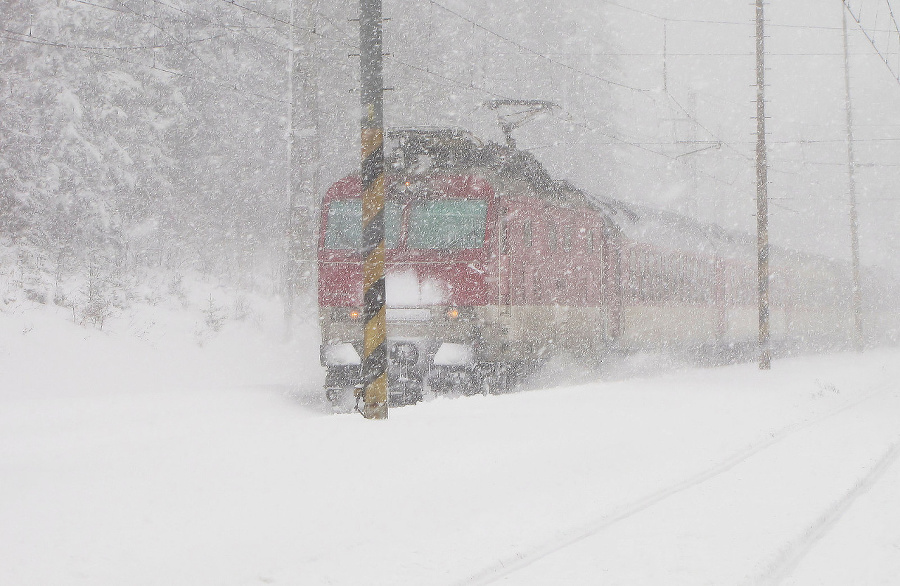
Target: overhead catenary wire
(258, 12)
(96, 52)
(533, 52)
(884, 58)
(25, 38)
(226, 83)
(192, 16)
(149, 20)
(472, 86)
(240, 29)
(723, 22)
(469, 85)
(640, 91)
(110, 8)
(431, 72)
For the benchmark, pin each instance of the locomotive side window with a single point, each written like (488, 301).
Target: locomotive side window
(639, 276)
(503, 232)
(447, 224)
(528, 234)
(344, 228)
(602, 264)
(552, 238)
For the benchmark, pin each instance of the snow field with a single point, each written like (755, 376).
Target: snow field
(126, 459)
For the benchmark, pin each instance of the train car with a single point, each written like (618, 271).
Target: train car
(492, 266)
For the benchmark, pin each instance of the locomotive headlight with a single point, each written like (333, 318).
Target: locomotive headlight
(346, 314)
(459, 313)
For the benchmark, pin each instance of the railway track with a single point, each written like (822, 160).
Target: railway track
(786, 557)
(790, 556)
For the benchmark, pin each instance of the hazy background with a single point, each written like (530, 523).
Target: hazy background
(155, 131)
(637, 145)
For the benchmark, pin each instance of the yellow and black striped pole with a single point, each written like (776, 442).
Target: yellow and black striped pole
(374, 371)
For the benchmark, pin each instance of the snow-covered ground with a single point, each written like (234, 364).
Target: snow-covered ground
(158, 451)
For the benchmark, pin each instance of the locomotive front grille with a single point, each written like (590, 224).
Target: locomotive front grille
(423, 323)
(400, 314)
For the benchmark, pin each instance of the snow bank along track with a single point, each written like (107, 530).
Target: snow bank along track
(788, 556)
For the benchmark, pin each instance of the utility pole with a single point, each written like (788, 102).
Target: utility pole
(374, 368)
(666, 56)
(854, 219)
(762, 201)
(693, 204)
(303, 145)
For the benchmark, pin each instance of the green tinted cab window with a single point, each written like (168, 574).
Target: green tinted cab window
(344, 227)
(447, 224)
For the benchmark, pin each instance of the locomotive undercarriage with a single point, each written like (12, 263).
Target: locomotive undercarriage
(427, 353)
(483, 350)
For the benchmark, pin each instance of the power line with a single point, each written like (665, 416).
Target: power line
(257, 12)
(725, 22)
(643, 147)
(707, 130)
(535, 53)
(473, 86)
(893, 18)
(111, 9)
(454, 82)
(642, 91)
(90, 51)
(51, 43)
(858, 20)
(149, 21)
(833, 140)
(242, 29)
(179, 42)
(843, 164)
(658, 55)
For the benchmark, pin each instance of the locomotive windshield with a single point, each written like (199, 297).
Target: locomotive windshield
(447, 224)
(344, 230)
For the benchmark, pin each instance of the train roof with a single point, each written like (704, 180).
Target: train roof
(425, 150)
(422, 150)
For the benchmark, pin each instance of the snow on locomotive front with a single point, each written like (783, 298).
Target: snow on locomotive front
(439, 227)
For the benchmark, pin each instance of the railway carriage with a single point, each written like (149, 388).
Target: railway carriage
(492, 266)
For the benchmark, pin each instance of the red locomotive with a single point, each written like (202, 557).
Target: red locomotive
(492, 266)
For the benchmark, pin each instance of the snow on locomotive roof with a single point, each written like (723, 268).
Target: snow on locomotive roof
(671, 231)
(425, 150)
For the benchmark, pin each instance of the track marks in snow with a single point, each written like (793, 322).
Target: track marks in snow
(512, 564)
(793, 553)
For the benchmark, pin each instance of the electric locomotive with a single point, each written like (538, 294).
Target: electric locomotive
(492, 266)
(456, 310)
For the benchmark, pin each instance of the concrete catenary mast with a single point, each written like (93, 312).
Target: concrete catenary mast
(303, 140)
(375, 383)
(854, 219)
(762, 202)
